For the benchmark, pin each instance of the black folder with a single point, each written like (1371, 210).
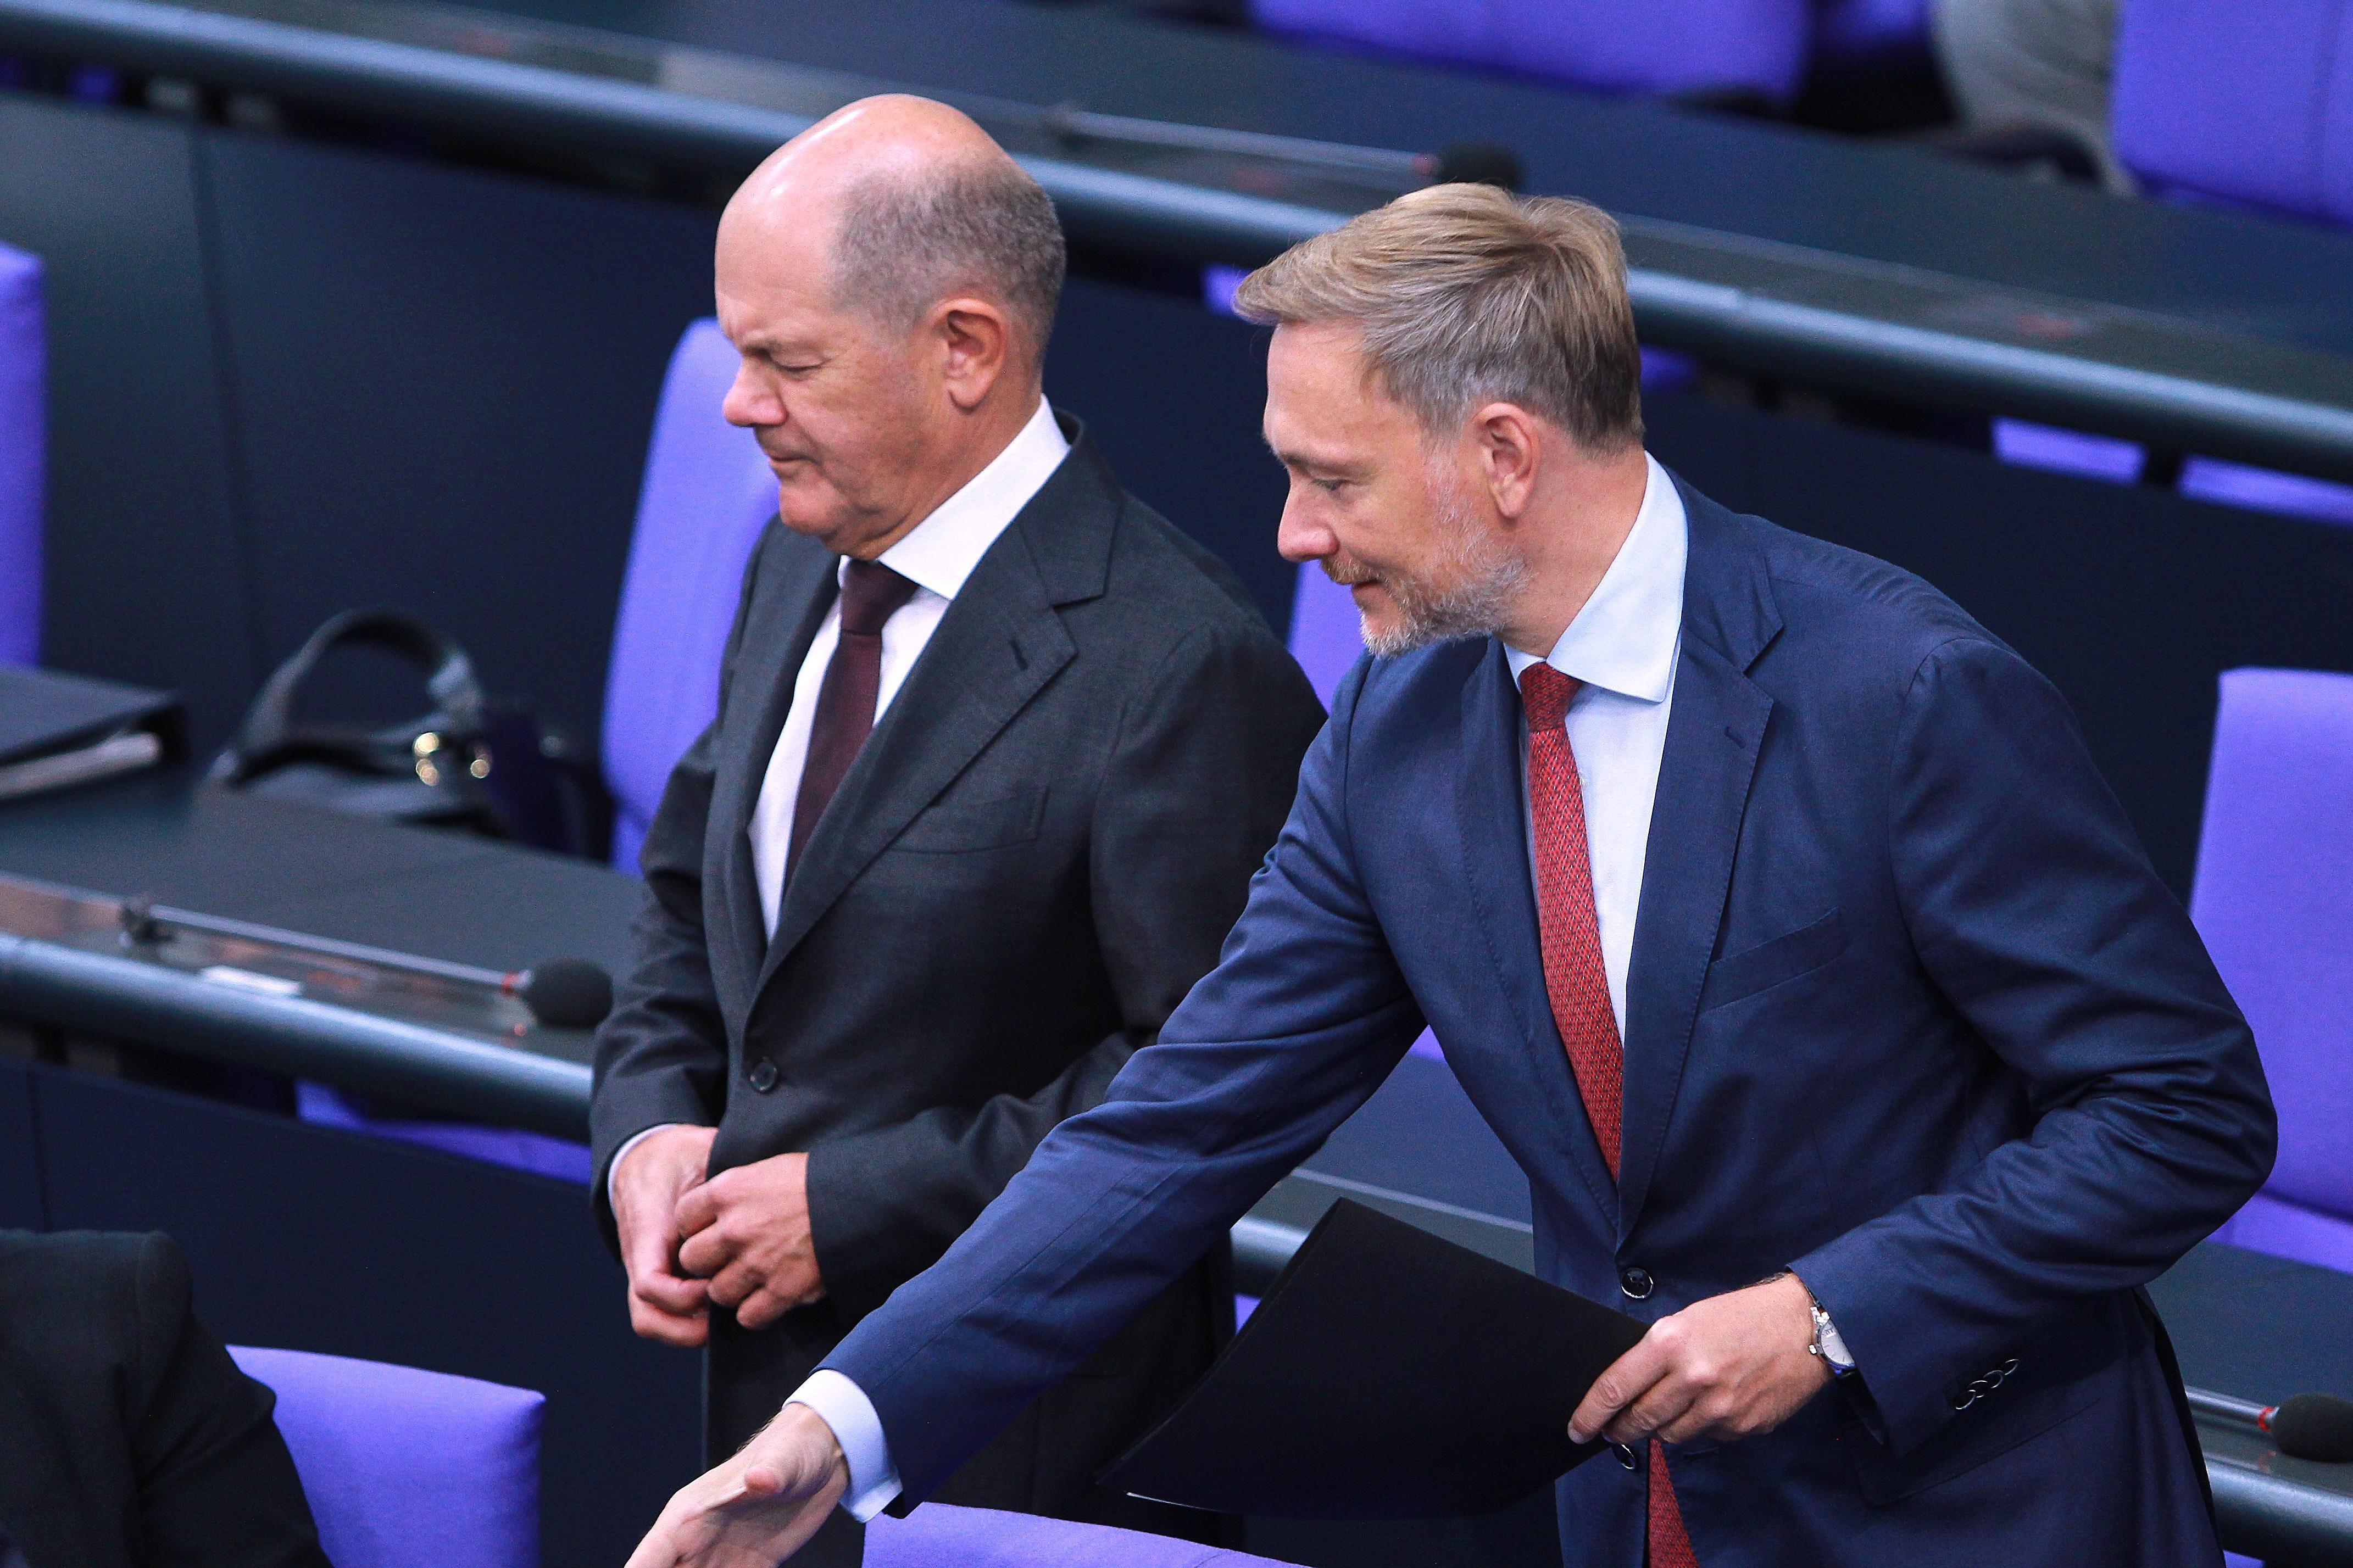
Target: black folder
(1387, 1374)
(58, 730)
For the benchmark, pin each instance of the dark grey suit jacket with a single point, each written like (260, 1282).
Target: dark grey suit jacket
(1039, 850)
(128, 1437)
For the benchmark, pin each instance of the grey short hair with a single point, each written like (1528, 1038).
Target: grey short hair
(1468, 295)
(906, 244)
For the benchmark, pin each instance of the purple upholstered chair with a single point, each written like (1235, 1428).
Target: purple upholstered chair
(1326, 637)
(1655, 47)
(707, 492)
(2245, 105)
(938, 1536)
(23, 356)
(408, 1469)
(2274, 901)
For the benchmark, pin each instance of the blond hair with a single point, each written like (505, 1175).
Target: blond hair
(1468, 295)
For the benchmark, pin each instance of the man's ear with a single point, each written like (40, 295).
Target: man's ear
(975, 341)
(1509, 450)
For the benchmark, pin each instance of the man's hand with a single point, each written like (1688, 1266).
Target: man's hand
(664, 1304)
(1730, 1366)
(747, 1232)
(756, 1508)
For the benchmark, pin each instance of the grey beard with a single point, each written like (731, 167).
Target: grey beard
(1487, 577)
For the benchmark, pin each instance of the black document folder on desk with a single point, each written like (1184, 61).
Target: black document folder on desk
(58, 730)
(1389, 1374)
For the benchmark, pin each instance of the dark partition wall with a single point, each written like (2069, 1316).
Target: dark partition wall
(444, 381)
(20, 1168)
(149, 569)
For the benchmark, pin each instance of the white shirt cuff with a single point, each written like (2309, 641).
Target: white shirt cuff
(843, 1406)
(623, 1153)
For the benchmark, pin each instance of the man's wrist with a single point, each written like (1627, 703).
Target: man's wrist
(857, 1433)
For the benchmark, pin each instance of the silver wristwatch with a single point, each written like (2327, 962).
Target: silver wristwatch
(1827, 1343)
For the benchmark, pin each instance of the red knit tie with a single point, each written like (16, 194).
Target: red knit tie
(1579, 987)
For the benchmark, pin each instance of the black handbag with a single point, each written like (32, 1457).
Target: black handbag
(467, 765)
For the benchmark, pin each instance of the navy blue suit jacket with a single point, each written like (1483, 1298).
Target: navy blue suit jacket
(1908, 1012)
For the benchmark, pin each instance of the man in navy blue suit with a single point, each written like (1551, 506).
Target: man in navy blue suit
(1770, 909)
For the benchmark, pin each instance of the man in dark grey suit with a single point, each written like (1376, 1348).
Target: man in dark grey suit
(997, 752)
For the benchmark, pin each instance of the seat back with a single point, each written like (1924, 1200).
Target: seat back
(1660, 47)
(707, 493)
(23, 449)
(936, 1535)
(2274, 899)
(2244, 104)
(406, 1468)
(1327, 634)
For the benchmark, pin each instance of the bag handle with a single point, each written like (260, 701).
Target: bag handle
(269, 732)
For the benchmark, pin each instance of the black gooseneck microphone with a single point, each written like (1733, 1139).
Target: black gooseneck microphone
(564, 993)
(2316, 1426)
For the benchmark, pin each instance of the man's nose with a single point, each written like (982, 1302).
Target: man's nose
(1301, 539)
(748, 405)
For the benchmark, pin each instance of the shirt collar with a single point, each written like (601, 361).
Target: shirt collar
(941, 551)
(1625, 638)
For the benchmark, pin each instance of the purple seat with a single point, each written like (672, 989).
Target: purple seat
(1326, 637)
(1660, 47)
(408, 1469)
(706, 494)
(936, 1535)
(23, 443)
(2274, 900)
(2248, 105)
(2090, 457)
(327, 1106)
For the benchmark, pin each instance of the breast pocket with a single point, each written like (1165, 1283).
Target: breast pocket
(1737, 977)
(958, 826)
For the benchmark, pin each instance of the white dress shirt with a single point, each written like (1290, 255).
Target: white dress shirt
(938, 556)
(1622, 647)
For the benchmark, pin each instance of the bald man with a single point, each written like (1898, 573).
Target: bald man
(997, 750)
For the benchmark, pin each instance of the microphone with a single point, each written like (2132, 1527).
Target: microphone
(563, 992)
(2311, 1426)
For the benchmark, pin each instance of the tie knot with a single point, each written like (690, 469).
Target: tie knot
(1544, 693)
(870, 593)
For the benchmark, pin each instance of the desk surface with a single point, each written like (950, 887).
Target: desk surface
(1880, 201)
(440, 895)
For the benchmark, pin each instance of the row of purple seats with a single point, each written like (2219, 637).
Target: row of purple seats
(2219, 103)
(23, 447)
(1662, 47)
(408, 1469)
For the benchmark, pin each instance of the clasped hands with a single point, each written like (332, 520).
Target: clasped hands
(691, 1241)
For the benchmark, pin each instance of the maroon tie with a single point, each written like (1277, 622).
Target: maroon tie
(870, 593)
(1579, 987)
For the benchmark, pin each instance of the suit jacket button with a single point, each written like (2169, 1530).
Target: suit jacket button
(1626, 1456)
(763, 1075)
(1636, 1282)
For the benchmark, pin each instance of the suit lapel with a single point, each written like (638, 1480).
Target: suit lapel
(1714, 734)
(997, 646)
(770, 666)
(1491, 812)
